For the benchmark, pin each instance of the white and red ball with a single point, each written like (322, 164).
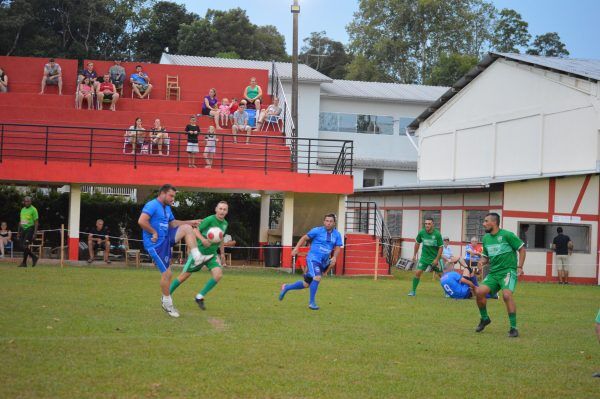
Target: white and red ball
(214, 235)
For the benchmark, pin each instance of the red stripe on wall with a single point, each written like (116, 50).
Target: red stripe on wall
(525, 214)
(584, 187)
(548, 265)
(551, 198)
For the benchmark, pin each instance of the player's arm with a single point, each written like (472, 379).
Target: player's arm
(417, 246)
(467, 282)
(570, 247)
(300, 244)
(177, 223)
(333, 260)
(439, 255)
(35, 227)
(201, 238)
(144, 222)
(522, 254)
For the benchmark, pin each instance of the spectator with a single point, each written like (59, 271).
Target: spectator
(192, 141)
(273, 110)
(90, 73)
(27, 230)
(52, 76)
(3, 81)
(253, 95)
(473, 253)
(523, 234)
(563, 248)
(107, 90)
(448, 257)
(233, 106)
(240, 122)
(136, 135)
(140, 83)
(209, 106)
(158, 135)
(117, 75)
(210, 146)
(224, 113)
(98, 239)
(5, 237)
(84, 92)
(597, 375)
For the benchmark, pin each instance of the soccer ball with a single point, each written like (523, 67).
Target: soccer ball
(214, 235)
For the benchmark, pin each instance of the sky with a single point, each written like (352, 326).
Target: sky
(576, 21)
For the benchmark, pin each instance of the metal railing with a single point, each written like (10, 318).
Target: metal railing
(289, 128)
(92, 145)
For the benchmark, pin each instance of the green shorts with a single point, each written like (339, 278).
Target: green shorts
(210, 264)
(423, 266)
(598, 318)
(501, 281)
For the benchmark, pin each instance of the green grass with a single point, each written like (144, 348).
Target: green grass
(100, 333)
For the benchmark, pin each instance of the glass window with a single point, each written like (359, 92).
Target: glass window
(372, 177)
(365, 124)
(385, 124)
(393, 219)
(403, 123)
(347, 123)
(473, 225)
(539, 236)
(328, 121)
(353, 123)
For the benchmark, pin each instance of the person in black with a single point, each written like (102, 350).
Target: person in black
(98, 239)
(563, 248)
(192, 149)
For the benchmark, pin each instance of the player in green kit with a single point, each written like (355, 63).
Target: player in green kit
(500, 249)
(433, 246)
(206, 248)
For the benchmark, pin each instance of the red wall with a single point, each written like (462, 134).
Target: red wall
(25, 74)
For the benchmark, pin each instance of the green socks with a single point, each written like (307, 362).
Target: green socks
(512, 317)
(416, 282)
(174, 284)
(483, 312)
(210, 284)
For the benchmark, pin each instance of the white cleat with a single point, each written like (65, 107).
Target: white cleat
(170, 309)
(202, 259)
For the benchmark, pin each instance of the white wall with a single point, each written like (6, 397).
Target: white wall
(309, 95)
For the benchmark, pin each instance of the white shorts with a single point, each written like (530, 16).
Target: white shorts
(210, 148)
(192, 147)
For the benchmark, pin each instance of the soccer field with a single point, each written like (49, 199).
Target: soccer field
(100, 333)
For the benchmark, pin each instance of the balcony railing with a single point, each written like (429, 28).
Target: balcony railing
(93, 145)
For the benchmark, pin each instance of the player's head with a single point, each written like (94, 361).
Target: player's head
(221, 210)
(429, 224)
(329, 221)
(559, 230)
(491, 222)
(166, 194)
(448, 267)
(99, 224)
(27, 202)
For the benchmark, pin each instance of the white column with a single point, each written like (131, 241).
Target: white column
(74, 217)
(287, 230)
(341, 214)
(265, 201)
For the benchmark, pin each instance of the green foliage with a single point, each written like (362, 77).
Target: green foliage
(365, 70)
(450, 68)
(325, 55)
(232, 55)
(510, 32)
(548, 45)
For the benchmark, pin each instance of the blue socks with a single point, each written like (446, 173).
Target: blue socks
(313, 290)
(298, 285)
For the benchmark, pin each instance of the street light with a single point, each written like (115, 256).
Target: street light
(295, 10)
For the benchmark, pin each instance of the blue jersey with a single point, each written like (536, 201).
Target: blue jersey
(450, 282)
(160, 216)
(323, 242)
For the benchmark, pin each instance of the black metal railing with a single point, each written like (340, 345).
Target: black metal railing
(94, 145)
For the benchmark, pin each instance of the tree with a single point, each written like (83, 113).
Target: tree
(365, 70)
(450, 68)
(510, 32)
(548, 45)
(325, 55)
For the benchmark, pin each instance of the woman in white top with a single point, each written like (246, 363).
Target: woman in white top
(136, 134)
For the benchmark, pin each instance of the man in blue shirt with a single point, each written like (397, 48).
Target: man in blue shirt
(458, 286)
(160, 232)
(323, 240)
(140, 83)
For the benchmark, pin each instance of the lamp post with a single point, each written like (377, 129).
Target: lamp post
(295, 9)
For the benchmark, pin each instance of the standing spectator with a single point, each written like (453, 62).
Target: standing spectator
(52, 76)
(117, 75)
(98, 239)
(563, 248)
(27, 230)
(3, 81)
(210, 146)
(5, 237)
(209, 106)
(224, 111)
(253, 95)
(84, 92)
(107, 90)
(136, 134)
(523, 234)
(272, 111)
(473, 253)
(140, 83)
(193, 131)
(158, 135)
(240, 122)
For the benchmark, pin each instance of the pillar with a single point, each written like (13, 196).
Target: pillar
(263, 232)
(287, 230)
(341, 227)
(74, 213)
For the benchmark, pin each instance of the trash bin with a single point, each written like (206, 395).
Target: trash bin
(272, 255)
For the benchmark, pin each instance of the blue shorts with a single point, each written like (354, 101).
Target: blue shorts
(462, 295)
(160, 251)
(315, 266)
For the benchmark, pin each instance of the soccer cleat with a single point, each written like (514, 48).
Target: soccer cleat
(200, 303)
(313, 306)
(282, 292)
(203, 259)
(170, 309)
(482, 324)
(513, 333)
(596, 375)
(22, 265)
(412, 293)
(35, 260)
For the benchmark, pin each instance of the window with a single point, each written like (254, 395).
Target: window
(473, 225)
(347, 123)
(356, 123)
(539, 236)
(393, 220)
(372, 177)
(436, 215)
(403, 123)
(328, 122)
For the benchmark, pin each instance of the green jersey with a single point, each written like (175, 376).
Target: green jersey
(431, 244)
(28, 217)
(206, 224)
(501, 250)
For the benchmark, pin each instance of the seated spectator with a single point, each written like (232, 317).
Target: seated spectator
(3, 81)
(158, 135)
(107, 90)
(52, 76)
(84, 92)
(5, 237)
(140, 83)
(117, 75)
(89, 72)
(447, 257)
(98, 239)
(224, 113)
(473, 254)
(240, 122)
(233, 106)
(253, 95)
(272, 110)
(136, 134)
(209, 105)
(210, 146)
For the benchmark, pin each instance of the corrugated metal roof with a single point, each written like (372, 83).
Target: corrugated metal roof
(284, 69)
(382, 91)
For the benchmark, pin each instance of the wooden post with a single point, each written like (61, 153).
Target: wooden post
(62, 244)
(376, 258)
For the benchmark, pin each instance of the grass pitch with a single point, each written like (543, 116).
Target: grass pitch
(85, 332)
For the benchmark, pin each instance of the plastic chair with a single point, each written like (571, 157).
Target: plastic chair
(10, 245)
(273, 120)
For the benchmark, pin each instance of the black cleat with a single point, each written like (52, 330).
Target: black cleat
(513, 333)
(22, 265)
(35, 260)
(482, 324)
(200, 303)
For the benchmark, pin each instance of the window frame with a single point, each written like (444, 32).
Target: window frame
(587, 251)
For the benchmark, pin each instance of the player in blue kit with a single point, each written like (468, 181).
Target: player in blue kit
(160, 232)
(458, 286)
(323, 240)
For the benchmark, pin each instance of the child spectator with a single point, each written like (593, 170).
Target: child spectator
(52, 76)
(140, 83)
(240, 122)
(224, 112)
(136, 135)
(84, 92)
(210, 146)
(193, 131)
(5, 237)
(107, 90)
(158, 135)
(3, 81)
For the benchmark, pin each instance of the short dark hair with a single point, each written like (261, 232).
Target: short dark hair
(51, 60)
(222, 202)
(165, 188)
(331, 215)
(494, 216)
(138, 66)
(429, 217)
(559, 230)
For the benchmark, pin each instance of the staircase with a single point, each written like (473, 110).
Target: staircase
(360, 254)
